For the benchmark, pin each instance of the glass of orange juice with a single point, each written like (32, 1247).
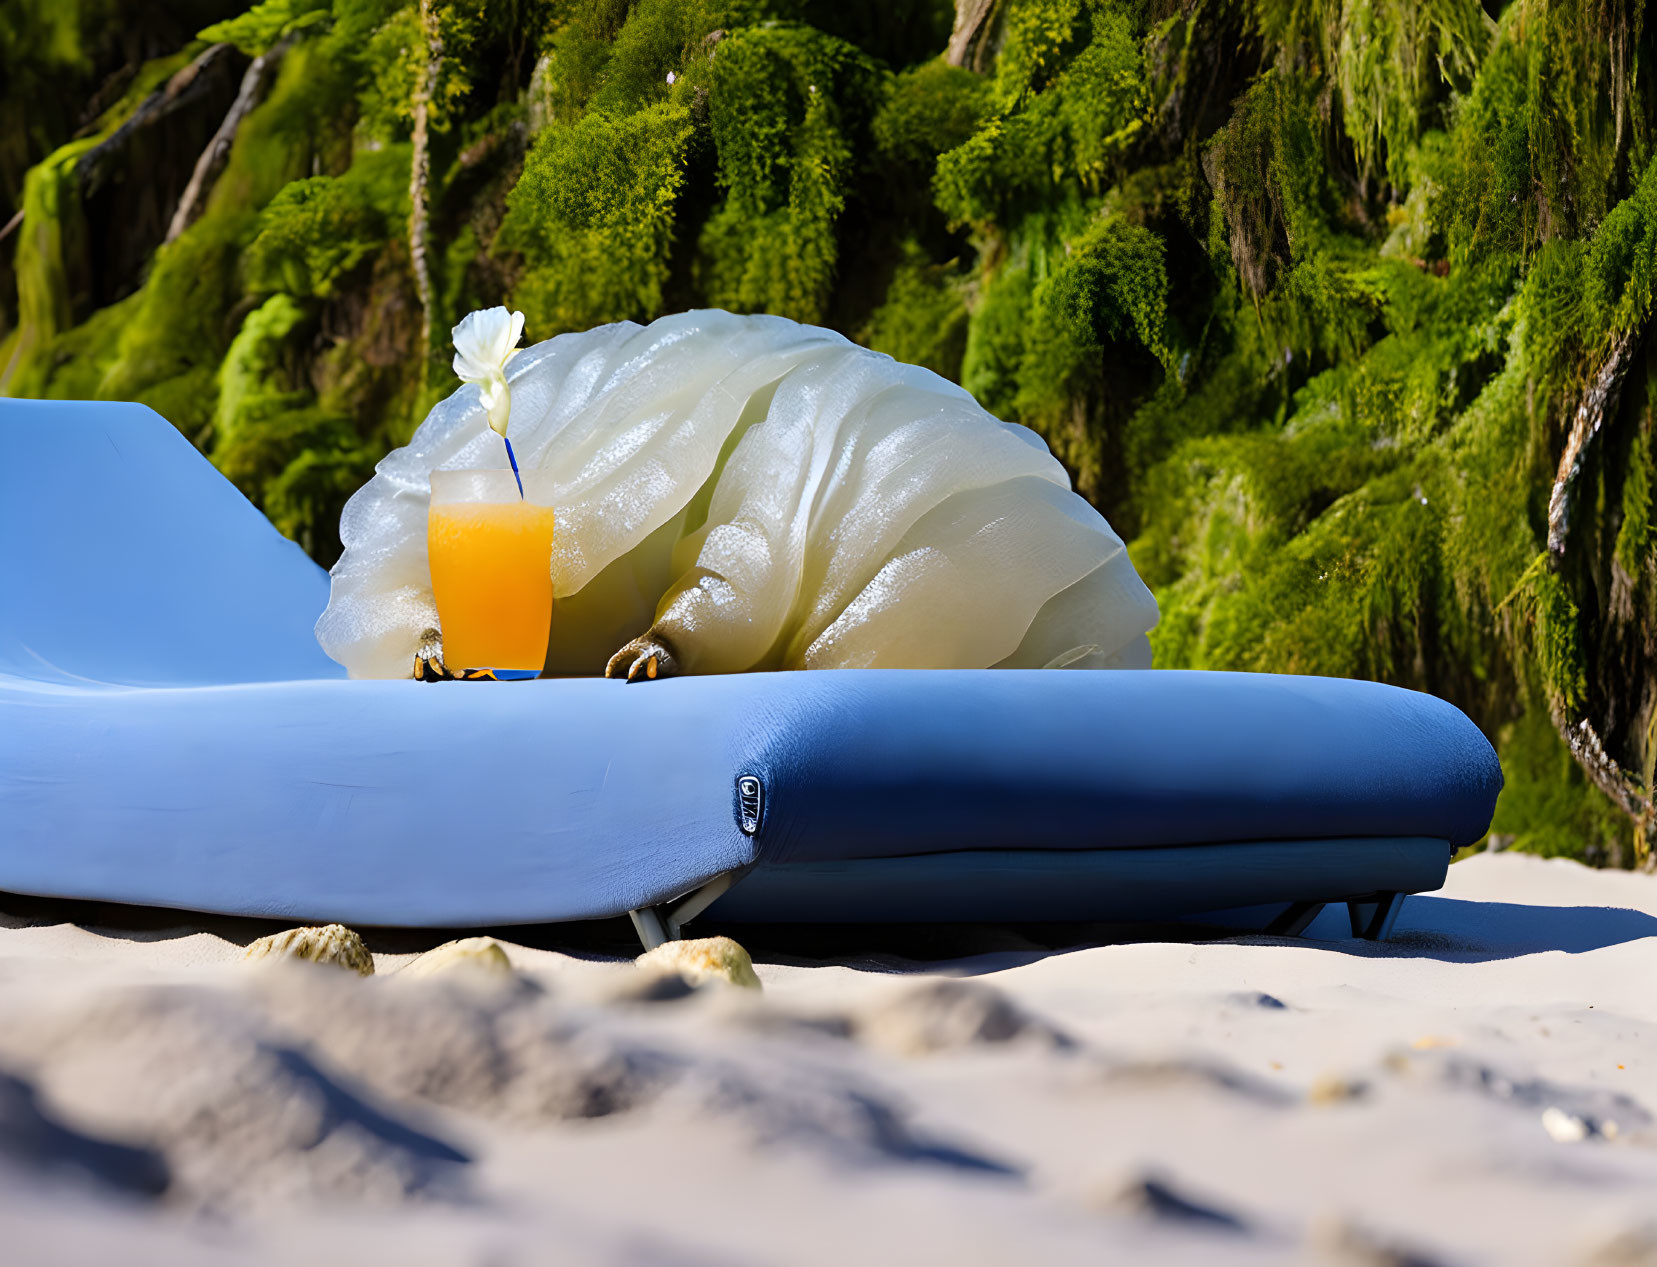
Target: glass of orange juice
(491, 566)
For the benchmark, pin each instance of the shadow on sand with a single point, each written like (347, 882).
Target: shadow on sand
(1457, 930)
(1453, 930)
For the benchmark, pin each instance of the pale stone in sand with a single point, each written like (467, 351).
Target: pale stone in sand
(1333, 1089)
(705, 959)
(469, 954)
(1563, 1127)
(331, 944)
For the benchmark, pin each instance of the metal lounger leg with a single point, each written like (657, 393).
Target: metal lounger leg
(664, 923)
(648, 925)
(1373, 916)
(1294, 919)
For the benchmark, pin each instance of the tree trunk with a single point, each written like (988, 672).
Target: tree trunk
(420, 176)
(976, 39)
(1616, 620)
(1598, 400)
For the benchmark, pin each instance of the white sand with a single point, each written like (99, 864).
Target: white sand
(1245, 1100)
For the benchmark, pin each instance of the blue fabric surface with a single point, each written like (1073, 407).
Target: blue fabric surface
(170, 734)
(128, 559)
(879, 764)
(448, 803)
(1103, 885)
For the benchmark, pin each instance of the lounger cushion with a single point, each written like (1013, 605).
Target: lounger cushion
(128, 559)
(169, 734)
(878, 765)
(404, 802)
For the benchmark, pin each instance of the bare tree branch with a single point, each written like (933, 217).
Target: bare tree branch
(210, 166)
(1603, 771)
(420, 175)
(1597, 401)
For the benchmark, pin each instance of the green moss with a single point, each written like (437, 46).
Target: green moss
(593, 217)
(317, 230)
(1637, 537)
(1620, 267)
(1487, 204)
(923, 319)
(182, 328)
(264, 24)
(1546, 806)
(1558, 643)
(992, 172)
(1101, 102)
(395, 54)
(387, 48)
(995, 341)
(329, 464)
(578, 55)
(1391, 59)
(52, 61)
(1278, 568)
(179, 330)
(1277, 216)
(779, 126)
(1038, 37)
(51, 262)
(76, 361)
(663, 37)
(1071, 100)
(295, 459)
(52, 225)
(1113, 287)
(251, 385)
(1494, 546)
(932, 108)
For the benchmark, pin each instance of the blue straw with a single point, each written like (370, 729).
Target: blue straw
(513, 458)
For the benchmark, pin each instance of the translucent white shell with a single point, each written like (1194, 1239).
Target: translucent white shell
(770, 493)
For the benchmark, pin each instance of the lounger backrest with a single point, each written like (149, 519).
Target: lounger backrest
(126, 558)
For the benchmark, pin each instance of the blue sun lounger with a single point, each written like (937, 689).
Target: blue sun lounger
(170, 734)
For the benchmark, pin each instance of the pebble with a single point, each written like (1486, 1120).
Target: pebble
(329, 944)
(1563, 1127)
(467, 954)
(701, 960)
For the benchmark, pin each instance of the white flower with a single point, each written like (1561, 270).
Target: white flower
(671, 76)
(484, 342)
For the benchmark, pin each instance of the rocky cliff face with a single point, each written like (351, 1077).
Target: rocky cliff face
(1341, 311)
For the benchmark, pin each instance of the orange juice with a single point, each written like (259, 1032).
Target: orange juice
(491, 571)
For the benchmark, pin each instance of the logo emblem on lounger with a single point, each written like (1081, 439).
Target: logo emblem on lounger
(750, 803)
